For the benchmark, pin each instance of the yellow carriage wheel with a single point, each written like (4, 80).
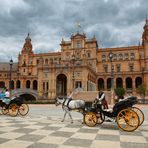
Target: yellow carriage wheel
(90, 119)
(4, 110)
(13, 109)
(127, 120)
(23, 109)
(139, 113)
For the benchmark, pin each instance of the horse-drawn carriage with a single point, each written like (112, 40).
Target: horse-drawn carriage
(128, 118)
(13, 106)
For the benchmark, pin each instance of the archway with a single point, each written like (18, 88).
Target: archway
(35, 85)
(109, 83)
(28, 97)
(2, 84)
(138, 81)
(128, 83)
(100, 83)
(28, 84)
(61, 85)
(119, 82)
(18, 84)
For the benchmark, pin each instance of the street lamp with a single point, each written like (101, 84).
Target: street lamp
(10, 83)
(112, 77)
(73, 77)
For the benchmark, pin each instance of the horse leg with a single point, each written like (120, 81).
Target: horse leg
(70, 116)
(64, 117)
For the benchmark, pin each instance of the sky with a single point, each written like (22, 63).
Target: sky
(115, 23)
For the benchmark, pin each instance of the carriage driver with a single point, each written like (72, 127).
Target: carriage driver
(101, 97)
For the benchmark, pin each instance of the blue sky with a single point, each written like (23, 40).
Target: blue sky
(115, 23)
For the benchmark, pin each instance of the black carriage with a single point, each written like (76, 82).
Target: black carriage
(14, 106)
(127, 117)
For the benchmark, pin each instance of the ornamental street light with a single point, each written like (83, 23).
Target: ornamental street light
(10, 82)
(112, 77)
(73, 76)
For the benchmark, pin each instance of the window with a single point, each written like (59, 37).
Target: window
(120, 56)
(37, 61)
(131, 67)
(89, 55)
(126, 56)
(78, 84)
(132, 56)
(78, 44)
(118, 67)
(105, 67)
(115, 57)
(46, 61)
(103, 58)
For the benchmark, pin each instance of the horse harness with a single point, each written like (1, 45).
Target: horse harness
(67, 104)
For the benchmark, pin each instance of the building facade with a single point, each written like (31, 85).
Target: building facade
(80, 63)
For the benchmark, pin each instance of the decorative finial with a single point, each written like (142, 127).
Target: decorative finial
(78, 26)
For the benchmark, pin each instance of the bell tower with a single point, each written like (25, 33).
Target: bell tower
(27, 48)
(25, 56)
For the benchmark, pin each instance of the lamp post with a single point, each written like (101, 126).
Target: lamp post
(73, 76)
(10, 83)
(112, 77)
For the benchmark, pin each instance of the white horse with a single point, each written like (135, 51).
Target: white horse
(69, 104)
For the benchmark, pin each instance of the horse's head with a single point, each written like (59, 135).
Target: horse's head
(59, 100)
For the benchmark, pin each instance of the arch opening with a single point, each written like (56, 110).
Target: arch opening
(61, 85)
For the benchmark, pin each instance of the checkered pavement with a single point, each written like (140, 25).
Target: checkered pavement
(35, 131)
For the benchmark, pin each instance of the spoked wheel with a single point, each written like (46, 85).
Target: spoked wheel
(90, 119)
(4, 110)
(128, 120)
(23, 109)
(100, 117)
(13, 109)
(140, 114)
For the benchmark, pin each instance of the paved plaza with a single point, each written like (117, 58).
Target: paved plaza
(47, 131)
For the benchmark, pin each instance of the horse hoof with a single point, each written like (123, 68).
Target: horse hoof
(62, 121)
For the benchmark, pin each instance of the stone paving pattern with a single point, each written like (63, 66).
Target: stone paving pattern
(49, 132)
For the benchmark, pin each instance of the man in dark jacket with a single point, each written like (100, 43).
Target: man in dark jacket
(101, 97)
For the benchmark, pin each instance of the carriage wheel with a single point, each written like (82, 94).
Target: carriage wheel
(23, 109)
(139, 113)
(13, 109)
(4, 110)
(90, 119)
(128, 120)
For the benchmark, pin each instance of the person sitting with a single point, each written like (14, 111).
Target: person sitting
(101, 97)
(7, 97)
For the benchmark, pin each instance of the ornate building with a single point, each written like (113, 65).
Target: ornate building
(80, 63)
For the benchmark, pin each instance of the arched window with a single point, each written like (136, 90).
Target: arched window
(119, 82)
(100, 83)
(18, 84)
(128, 83)
(138, 81)
(35, 85)
(28, 84)
(109, 83)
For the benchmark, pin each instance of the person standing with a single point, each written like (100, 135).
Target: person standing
(101, 97)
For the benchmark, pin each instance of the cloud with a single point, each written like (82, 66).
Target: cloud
(114, 23)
